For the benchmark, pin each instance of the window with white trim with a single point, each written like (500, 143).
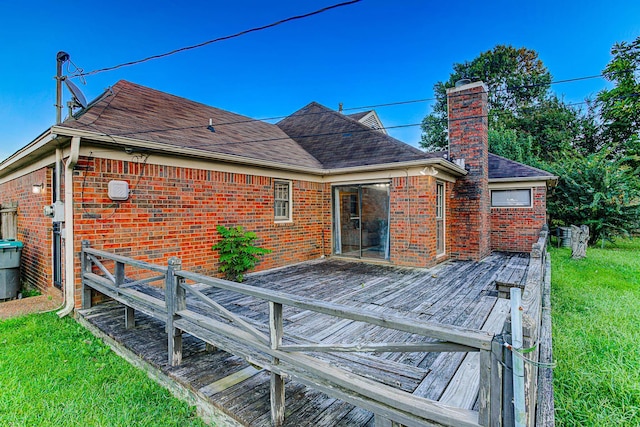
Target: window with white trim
(282, 200)
(511, 198)
(440, 209)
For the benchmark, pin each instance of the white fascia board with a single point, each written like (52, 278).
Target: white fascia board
(43, 162)
(533, 181)
(437, 162)
(175, 150)
(11, 162)
(517, 184)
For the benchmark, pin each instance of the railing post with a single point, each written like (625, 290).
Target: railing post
(491, 394)
(485, 392)
(119, 274)
(277, 381)
(129, 312)
(175, 300)
(380, 421)
(85, 267)
(518, 364)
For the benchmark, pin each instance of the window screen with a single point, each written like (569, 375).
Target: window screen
(506, 198)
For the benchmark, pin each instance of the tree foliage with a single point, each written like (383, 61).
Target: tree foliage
(516, 79)
(237, 252)
(620, 106)
(595, 151)
(599, 191)
(552, 126)
(511, 144)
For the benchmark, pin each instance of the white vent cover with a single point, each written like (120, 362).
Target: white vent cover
(118, 190)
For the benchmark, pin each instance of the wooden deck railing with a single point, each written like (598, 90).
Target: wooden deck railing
(267, 346)
(536, 325)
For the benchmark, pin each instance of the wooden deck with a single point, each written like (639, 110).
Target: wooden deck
(455, 293)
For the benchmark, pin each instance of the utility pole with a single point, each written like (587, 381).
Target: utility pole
(61, 58)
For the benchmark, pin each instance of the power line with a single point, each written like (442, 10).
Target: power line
(347, 133)
(195, 46)
(404, 102)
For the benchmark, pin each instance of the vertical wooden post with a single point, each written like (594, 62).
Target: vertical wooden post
(380, 421)
(496, 382)
(85, 267)
(175, 299)
(277, 381)
(484, 392)
(508, 416)
(518, 364)
(119, 274)
(129, 317)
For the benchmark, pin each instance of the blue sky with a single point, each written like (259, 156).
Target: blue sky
(372, 52)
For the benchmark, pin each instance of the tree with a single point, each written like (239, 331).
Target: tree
(598, 190)
(555, 128)
(516, 79)
(620, 106)
(511, 144)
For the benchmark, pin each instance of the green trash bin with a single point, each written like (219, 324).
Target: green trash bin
(10, 252)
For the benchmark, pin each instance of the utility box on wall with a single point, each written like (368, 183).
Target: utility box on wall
(118, 190)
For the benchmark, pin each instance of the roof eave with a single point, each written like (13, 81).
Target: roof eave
(551, 180)
(173, 149)
(435, 161)
(31, 150)
(193, 152)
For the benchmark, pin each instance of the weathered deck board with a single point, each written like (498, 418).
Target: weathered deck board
(457, 293)
(462, 390)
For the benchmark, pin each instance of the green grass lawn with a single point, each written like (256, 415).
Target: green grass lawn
(53, 372)
(596, 336)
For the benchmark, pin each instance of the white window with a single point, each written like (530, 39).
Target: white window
(510, 198)
(440, 247)
(282, 200)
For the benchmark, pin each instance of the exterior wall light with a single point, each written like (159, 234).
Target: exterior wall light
(429, 171)
(37, 188)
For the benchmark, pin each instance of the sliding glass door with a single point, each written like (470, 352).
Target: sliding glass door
(361, 220)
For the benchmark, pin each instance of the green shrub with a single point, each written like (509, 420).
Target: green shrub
(599, 191)
(237, 252)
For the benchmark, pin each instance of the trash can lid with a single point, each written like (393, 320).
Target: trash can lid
(10, 243)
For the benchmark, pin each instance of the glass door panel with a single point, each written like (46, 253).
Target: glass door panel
(348, 210)
(375, 221)
(361, 221)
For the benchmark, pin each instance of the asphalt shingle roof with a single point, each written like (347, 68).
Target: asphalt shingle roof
(500, 167)
(313, 137)
(138, 112)
(339, 141)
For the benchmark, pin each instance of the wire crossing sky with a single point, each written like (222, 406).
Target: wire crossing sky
(369, 53)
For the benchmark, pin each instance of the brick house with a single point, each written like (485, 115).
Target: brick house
(149, 175)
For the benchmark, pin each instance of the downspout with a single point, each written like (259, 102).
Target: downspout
(58, 174)
(69, 273)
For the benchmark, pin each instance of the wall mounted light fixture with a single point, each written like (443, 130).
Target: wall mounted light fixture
(429, 171)
(37, 188)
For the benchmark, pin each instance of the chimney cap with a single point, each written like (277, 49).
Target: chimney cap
(462, 82)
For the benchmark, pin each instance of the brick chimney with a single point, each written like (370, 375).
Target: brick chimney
(470, 222)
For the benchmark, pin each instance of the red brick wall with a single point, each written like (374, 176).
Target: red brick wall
(470, 205)
(174, 211)
(516, 229)
(413, 224)
(34, 229)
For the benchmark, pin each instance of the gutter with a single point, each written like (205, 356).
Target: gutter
(230, 158)
(551, 180)
(69, 274)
